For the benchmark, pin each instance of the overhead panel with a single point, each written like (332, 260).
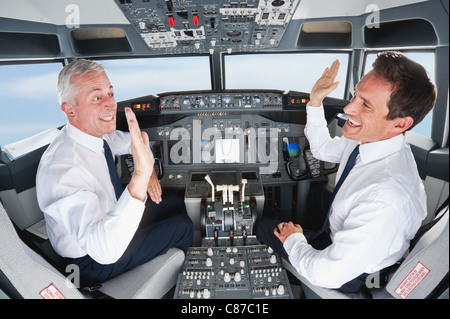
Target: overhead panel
(204, 26)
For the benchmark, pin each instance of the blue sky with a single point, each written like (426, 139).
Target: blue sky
(29, 105)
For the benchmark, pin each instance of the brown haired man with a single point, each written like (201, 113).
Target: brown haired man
(382, 201)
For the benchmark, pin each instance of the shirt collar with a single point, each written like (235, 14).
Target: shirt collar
(93, 143)
(370, 152)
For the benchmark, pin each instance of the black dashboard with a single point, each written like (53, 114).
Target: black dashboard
(232, 130)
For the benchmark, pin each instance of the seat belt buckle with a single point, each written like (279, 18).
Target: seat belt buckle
(92, 288)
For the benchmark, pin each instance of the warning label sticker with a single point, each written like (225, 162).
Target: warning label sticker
(51, 292)
(412, 280)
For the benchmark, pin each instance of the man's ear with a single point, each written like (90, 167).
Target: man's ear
(404, 123)
(68, 110)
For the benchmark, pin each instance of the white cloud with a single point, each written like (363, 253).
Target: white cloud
(13, 132)
(34, 87)
(286, 72)
(134, 78)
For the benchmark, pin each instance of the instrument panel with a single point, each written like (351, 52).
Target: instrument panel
(199, 131)
(222, 101)
(231, 136)
(238, 272)
(206, 26)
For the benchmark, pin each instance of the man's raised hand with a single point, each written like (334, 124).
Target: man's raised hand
(142, 156)
(324, 85)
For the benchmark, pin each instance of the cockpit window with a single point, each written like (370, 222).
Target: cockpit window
(132, 78)
(28, 100)
(427, 59)
(296, 72)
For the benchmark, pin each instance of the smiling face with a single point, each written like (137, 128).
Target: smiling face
(95, 109)
(368, 110)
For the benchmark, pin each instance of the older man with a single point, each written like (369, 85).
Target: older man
(91, 220)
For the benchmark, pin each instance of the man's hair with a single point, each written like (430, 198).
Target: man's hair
(413, 94)
(65, 88)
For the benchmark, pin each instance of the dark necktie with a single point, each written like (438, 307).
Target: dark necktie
(350, 163)
(112, 170)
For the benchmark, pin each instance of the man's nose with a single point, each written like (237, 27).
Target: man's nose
(110, 102)
(351, 107)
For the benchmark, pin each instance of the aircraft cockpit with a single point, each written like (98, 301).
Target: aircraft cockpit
(221, 87)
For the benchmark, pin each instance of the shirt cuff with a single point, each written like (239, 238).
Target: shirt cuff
(292, 240)
(315, 114)
(127, 202)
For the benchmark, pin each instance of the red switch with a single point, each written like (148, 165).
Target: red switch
(171, 21)
(195, 19)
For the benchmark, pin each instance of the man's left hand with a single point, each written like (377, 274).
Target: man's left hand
(284, 230)
(154, 189)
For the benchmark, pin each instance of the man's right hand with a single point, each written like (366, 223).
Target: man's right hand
(142, 156)
(324, 85)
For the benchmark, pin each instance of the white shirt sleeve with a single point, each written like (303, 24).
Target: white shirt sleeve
(74, 214)
(322, 145)
(360, 247)
(119, 142)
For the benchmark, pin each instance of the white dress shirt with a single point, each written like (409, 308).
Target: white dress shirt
(375, 214)
(75, 192)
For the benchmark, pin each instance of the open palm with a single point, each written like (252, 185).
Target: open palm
(325, 84)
